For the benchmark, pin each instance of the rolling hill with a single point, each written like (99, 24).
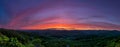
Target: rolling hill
(59, 38)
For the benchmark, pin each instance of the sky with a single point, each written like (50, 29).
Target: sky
(69, 14)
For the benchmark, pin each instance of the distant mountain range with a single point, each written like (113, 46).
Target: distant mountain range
(73, 33)
(62, 32)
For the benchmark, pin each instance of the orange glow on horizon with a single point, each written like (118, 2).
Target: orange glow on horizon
(63, 27)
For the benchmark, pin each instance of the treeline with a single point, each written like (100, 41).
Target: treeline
(15, 38)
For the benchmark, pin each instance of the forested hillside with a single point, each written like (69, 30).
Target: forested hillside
(15, 38)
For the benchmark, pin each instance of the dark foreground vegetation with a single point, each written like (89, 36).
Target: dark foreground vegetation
(59, 38)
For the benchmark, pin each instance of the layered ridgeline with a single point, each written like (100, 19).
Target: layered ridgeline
(59, 38)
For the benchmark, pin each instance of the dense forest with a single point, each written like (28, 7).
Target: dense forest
(62, 38)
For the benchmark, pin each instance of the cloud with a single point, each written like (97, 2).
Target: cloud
(103, 25)
(81, 26)
(22, 15)
(34, 13)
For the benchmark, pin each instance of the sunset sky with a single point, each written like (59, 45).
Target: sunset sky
(68, 14)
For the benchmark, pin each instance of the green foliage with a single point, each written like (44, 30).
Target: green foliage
(12, 38)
